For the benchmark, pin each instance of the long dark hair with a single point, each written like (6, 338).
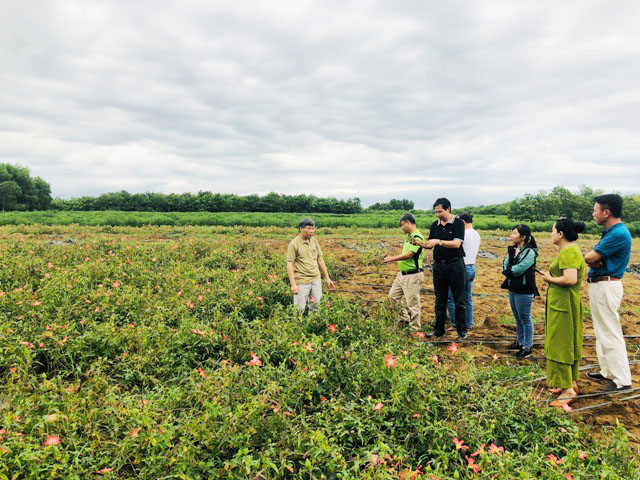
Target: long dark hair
(525, 231)
(569, 228)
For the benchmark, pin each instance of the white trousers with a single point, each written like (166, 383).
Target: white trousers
(310, 293)
(604, 299)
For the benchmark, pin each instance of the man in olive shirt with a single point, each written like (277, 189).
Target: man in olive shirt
(406, 286)
(304, 263)
(446, 237)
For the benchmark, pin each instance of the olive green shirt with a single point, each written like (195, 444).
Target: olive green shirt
(304, 255)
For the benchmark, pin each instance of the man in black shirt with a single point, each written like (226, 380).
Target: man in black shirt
(446, 237)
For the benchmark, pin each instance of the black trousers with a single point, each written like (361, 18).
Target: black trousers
(449, 276)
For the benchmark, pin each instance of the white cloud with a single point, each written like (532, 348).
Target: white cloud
(478, 101)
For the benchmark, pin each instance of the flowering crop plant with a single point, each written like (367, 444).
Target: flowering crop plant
(175, 352)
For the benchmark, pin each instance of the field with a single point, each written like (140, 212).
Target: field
(174, 352)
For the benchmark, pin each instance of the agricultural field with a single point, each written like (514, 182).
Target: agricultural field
(174, 352)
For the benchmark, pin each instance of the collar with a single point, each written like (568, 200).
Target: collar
(607, 230)
(451, 220)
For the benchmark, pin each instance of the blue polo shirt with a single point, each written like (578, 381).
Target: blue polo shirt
(615, 249)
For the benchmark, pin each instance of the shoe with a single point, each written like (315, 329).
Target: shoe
(612, 387)
(451, 328)
(462, 336)
(435, 335)
(597, 376)
(514, 346)
(523, 353)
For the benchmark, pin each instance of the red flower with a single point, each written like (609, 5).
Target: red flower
(312, 299)
(134, 433)
(378, 406)
(568, 475)
(459, 444)
(453, 348)
(255, 360)
(332, 328)
(52, 440)
(419, 334)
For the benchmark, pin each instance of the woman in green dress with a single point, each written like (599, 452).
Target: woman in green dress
(563, 328)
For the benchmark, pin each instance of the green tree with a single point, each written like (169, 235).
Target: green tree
(9, 192)
(33, 193)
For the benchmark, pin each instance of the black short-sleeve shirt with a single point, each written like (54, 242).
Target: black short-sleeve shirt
(449, 231)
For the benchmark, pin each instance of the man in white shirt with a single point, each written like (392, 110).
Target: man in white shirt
(471, 247)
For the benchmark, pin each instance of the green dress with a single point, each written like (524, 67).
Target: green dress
(564, 326)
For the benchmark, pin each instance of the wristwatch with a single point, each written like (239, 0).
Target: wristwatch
(440, 242)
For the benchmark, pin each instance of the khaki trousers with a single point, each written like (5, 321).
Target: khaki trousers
(406, 288)
(604, 299)
(308, 294)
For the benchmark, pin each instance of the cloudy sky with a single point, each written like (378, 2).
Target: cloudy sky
(481, 101)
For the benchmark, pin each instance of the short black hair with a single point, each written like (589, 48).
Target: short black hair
(443, 202)
(306, 222)
(611, 202)
(569, 228)
(466, 217)
(407, 217)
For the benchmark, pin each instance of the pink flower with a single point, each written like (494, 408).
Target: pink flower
(49, 264)
(12, 369)
(134, 433)
(2, 294)
(312, 299)
(582, 455)
(374, 459)
(435, 359)
(190, 306)
(332, 328)
(493, 448)
(308, 347)
(179, 293)
(105, 470)
(390, 361)
(255, 360)
(479, 451)
(52, 440)
(472, 465)
(197, 332)
(554, 460)
(153, 259)
(419, 334)
(27, 344)
(52, 417)
(250, 280)
(36, 303)
(200, 298)
(568, 475)
(416, 415)
(453, 348)
(378, 406)
(459, 444)
(201, 373)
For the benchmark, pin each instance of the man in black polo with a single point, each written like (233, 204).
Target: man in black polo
(446, 237)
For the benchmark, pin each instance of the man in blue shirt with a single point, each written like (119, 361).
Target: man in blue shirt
(608, 261)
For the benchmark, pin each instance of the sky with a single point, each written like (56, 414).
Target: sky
(478, 101)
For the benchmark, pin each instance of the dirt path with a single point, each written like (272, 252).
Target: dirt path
(493, 318)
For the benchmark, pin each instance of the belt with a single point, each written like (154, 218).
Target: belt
(411, 272)
(451, 260)
(603, 279)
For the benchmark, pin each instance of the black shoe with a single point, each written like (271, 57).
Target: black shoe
(523, 353)
(435, 335)
(612, 387)
(462, 336)
(597, 376)
(514, 346)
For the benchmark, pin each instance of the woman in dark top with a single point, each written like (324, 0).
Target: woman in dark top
(519, 268)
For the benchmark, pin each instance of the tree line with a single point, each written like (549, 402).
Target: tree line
(19, 191)
(548, 205)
